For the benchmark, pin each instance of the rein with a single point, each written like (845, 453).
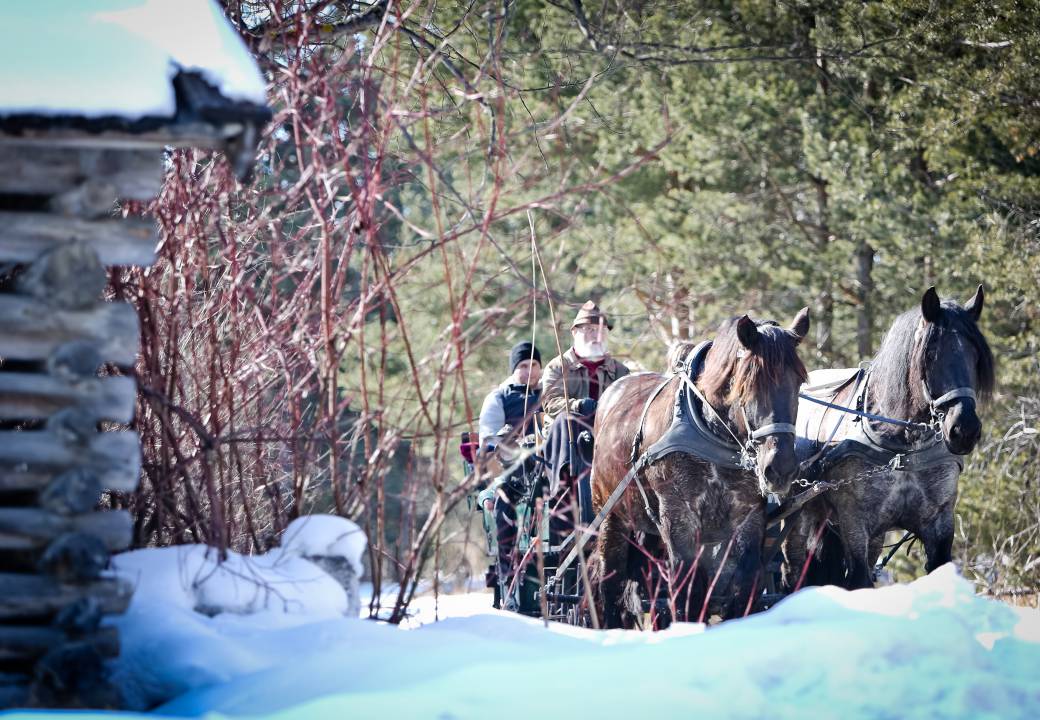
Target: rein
(865, 414)
(934, 408)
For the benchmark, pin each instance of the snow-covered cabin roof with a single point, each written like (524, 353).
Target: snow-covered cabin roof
(172, 71)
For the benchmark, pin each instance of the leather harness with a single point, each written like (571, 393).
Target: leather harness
(817, 457)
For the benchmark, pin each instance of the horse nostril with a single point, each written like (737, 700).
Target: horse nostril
(964, 435)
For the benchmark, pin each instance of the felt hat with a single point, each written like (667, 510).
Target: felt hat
(590, 314)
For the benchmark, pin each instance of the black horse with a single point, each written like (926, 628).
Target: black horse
(932, 370)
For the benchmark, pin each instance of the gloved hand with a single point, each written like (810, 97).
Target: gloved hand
(587, 407)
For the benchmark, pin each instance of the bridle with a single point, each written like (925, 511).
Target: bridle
(936, 405)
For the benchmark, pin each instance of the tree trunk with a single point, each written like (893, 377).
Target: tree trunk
(864, 291)
(824, 316)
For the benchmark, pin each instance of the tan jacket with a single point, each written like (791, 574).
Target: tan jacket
(565, 383)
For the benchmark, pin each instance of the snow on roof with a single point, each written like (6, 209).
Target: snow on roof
(117, 58)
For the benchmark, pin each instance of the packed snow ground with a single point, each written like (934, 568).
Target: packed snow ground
(928, 649)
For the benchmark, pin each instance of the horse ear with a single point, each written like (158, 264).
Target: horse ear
(800, 326)
(747, 332)
(930, 305)
(974, 306)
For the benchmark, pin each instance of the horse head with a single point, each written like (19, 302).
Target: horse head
(751, 376)
(951, 367)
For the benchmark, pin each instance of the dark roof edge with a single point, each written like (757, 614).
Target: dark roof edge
(201, 110)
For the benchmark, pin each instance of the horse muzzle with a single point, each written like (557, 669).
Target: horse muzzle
(962, 428)
(778, 465)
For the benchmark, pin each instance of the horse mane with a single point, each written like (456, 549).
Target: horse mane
(733, 373)
(905, 355)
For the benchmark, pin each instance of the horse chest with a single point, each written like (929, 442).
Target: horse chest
(718, 509)
(909, 499)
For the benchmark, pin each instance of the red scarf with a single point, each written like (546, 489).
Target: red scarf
(593, 367)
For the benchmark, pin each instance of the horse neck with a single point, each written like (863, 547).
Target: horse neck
(726, 411)
(889, 395)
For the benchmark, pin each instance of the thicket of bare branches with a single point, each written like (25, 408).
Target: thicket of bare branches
(438, 177)
(306, 335)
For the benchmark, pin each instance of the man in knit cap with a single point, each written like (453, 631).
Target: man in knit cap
(515, 401)
(510, 410)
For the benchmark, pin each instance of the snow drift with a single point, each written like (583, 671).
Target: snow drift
(932, 648)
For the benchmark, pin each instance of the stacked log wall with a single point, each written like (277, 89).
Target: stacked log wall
(59, 342)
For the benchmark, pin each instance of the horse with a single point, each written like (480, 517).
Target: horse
(744, 390)
(900, 472)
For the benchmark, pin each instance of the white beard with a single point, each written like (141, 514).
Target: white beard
(589, 350)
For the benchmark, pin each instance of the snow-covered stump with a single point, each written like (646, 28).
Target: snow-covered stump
(335, 545)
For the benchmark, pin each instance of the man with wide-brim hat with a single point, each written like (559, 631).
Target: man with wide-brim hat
(572, 385)
(573, 382)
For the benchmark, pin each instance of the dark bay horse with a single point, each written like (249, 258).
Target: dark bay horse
(933, 367)
(750, 376)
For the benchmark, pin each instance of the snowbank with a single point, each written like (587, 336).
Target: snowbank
(928, 649)
(117, 57)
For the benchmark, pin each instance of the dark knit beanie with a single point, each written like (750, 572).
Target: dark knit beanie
(523, 351)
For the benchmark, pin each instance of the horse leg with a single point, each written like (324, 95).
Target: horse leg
(613, 571)
(856, 539)
(644, 562)
(937, 537)
(681, 532)
(739, 578)
(796, 548)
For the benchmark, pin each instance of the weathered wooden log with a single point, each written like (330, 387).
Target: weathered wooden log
(39, 169)
(73, 492)
(181, 134)
(14, 695)
(30, 596)
(75, 557)
(28, 528)
(30, 460)
(28, 642)
(69, 276)
(26, 235)
(33, 396)
(74, 675)
(8, 678)
(30, 330)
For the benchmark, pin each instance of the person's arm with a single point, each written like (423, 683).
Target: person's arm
(554, 399)
(492, 418)
(622, 370)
